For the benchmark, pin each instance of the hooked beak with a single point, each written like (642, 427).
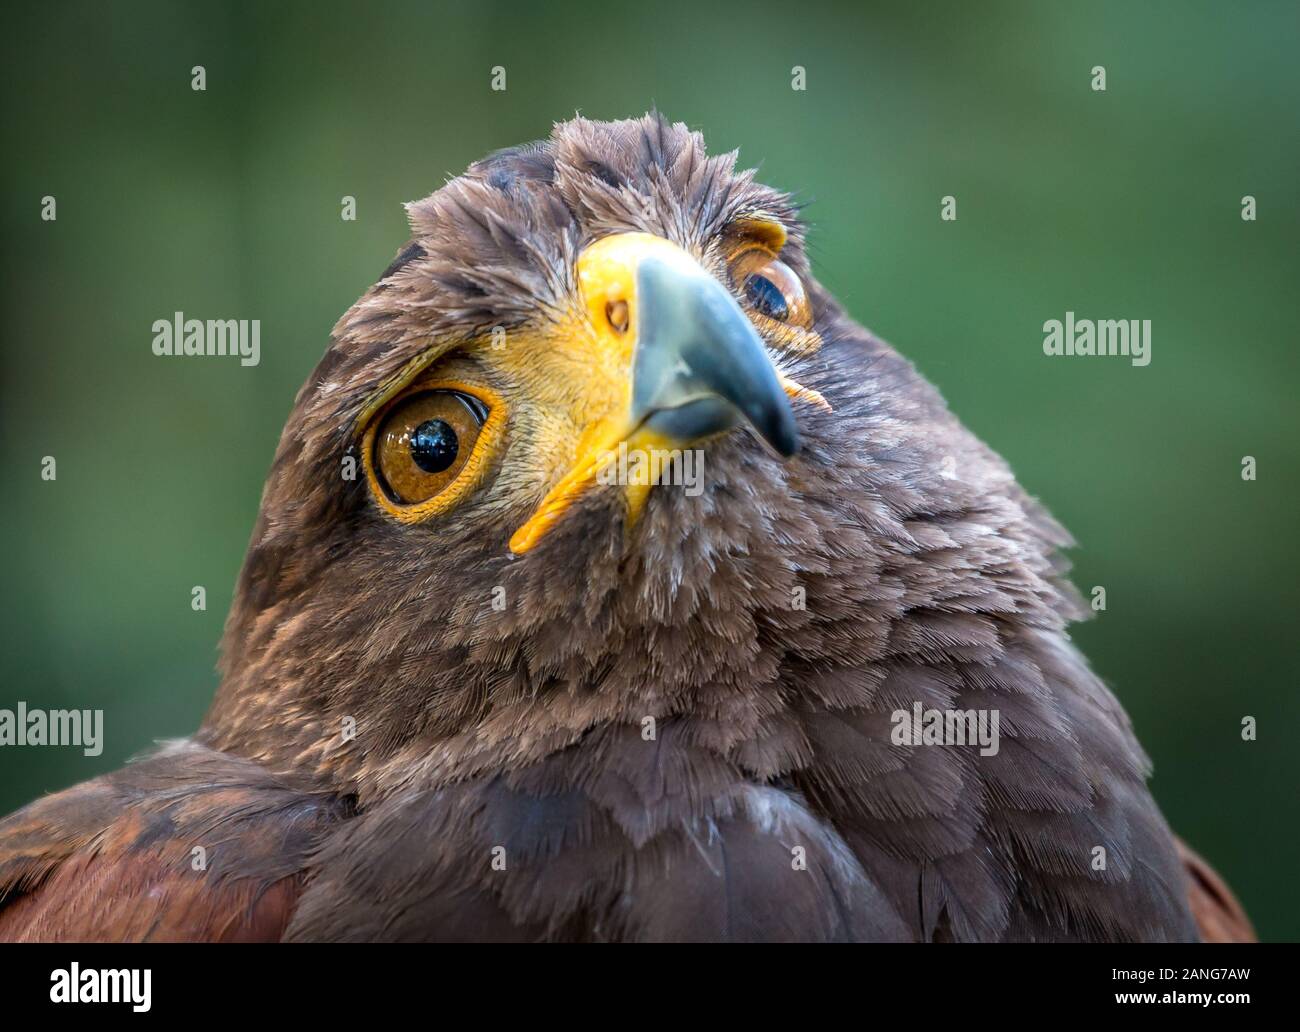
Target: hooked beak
(690, 362)
(699, 364)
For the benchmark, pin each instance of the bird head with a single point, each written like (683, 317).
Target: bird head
(475, 538)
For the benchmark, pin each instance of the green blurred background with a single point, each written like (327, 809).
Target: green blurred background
(1123, 204)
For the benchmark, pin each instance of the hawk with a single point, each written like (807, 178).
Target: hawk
(601, 562)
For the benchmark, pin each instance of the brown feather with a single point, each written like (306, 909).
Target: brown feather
(1219, 916)
(113, 860)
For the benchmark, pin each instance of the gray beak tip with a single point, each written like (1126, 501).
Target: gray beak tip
(695, 342)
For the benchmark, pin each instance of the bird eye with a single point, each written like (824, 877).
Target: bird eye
(423, 443)
(771, 288)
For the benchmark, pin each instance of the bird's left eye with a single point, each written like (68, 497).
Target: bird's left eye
(771, 288)
(422, 443)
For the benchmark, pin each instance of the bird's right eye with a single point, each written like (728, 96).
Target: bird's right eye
(421, 446)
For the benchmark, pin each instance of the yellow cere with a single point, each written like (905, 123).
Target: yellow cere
(606, 273)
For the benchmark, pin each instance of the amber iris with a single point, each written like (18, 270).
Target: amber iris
(424, 442)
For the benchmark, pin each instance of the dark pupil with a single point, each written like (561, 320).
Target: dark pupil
(766, 298)
(434, 445)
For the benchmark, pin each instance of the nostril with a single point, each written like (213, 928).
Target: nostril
(616, 313)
